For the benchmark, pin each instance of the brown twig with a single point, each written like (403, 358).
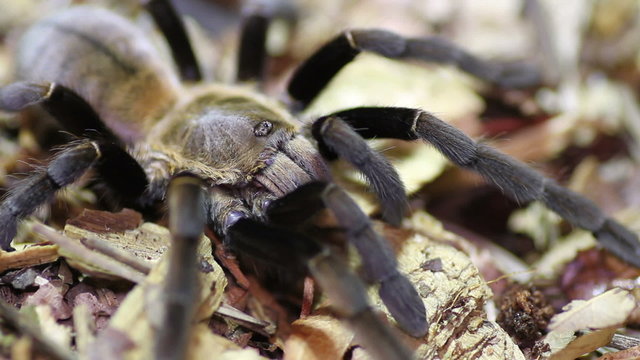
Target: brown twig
(87, 255)
(245, 320)
(116, 254)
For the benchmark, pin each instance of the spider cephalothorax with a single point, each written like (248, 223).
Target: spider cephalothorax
(242, 163)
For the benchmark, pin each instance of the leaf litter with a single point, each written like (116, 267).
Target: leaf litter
(107, 298)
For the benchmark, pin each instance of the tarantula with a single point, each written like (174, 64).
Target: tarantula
(241, 163)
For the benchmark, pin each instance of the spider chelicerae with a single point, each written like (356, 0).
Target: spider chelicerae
(237, 161)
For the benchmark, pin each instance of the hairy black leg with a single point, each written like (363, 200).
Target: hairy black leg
(252, 54)
(67, 107)
(78, 117)
(378, 261)
(121, 172)
(169, 22)
(298, 206)
(335, 137)
(295, 251)
(314, 74)
(187, 217)
(35, 190)
(514, 178)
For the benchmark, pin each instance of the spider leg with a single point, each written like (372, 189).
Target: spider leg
(78, 117)
(187, 214)
(23, 199)
(378, 261)
(515, 179)
(335, 137)
(344, 289)
(171, 25)
(252, 53)
(67, 107)
(225, 209)
(257, 17)
(316, 72)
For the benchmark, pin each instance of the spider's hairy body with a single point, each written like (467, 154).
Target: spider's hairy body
(108, 61)
(207, 130)
(216, 127)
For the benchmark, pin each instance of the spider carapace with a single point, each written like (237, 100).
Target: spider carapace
(259, 174)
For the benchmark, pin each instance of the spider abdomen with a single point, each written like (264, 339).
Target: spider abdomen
(106, 60)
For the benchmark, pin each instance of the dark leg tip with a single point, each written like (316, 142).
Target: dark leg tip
(620, 241)
(519, 76)
(8, 230)
(17, 96)
(405, 305)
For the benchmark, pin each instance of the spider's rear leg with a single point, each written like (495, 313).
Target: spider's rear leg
(378, 260)
(316, 72)
(187, 217)
(294, 251)
(257, 18)
(171, 25)
(515, 179)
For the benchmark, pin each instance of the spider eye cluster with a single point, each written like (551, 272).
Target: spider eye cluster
(263, 128)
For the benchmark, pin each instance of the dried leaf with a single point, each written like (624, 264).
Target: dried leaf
(135, 316)
(86, 260)
(454, 297)
(51, 294)
(595, 313)
(110, 344)
(584, 344)
(206, 345)
(317, 337)
(97, 301)
(84, 327)
(49, 326)
(558, 340)
(554, 260)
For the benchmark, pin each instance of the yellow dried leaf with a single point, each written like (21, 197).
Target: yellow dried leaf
(135, 316)
(584, 344)
(595, 313)
(317, 337)
(206, 345)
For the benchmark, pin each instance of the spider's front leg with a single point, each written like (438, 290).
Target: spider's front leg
(345, 142)
(294, 251)
(378, 260)
(515, 179)
(187, 218)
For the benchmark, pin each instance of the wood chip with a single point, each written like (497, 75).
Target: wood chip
(29, 256)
